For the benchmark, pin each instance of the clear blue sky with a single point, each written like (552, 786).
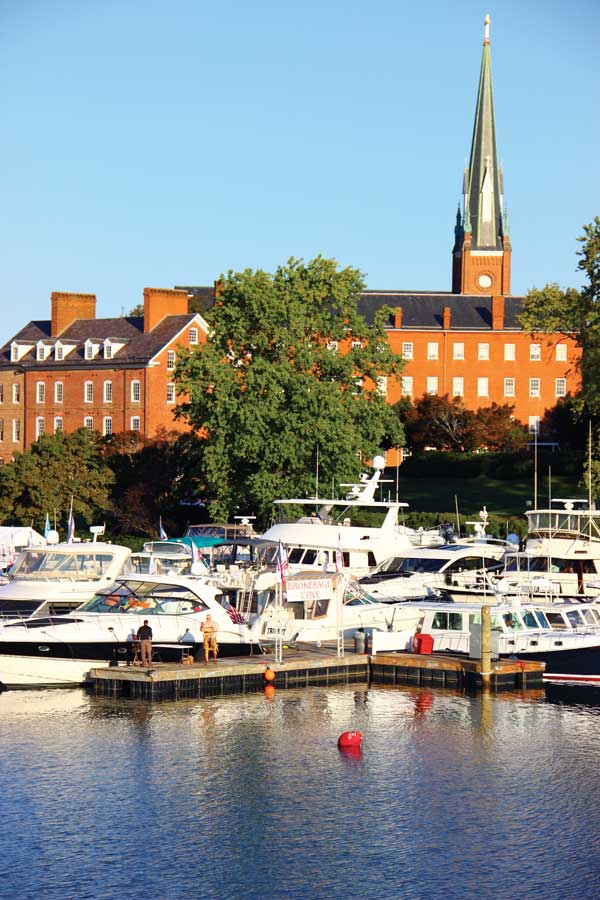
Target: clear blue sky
(153, 143)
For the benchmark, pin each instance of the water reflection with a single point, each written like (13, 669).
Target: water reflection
(250, 796)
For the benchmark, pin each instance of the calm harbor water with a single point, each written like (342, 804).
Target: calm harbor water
(249, 797)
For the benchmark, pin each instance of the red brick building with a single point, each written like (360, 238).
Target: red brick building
(108, 375)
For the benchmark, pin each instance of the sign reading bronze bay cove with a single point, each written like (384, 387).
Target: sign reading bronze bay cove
(301, 590)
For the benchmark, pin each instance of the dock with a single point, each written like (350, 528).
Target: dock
(308, 667)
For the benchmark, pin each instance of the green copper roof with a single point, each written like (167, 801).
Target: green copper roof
(483, 179)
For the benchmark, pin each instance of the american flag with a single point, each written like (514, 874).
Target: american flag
(282, 563)
(339, 558)
(235, 615)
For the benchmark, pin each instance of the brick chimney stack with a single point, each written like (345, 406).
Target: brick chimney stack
(160, 303)
(66, 308)
(398, 317)
(497, 313)
(447, 314)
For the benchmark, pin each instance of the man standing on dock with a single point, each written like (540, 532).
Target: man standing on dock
(209, 632)
(144, 636)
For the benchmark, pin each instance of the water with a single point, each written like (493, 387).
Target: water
(246, 797)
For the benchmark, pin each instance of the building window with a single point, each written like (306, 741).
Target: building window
(534, 387)
(170, 360)
(14, 353)
(170, 393)
(136, 392)
(193, 336)
(432, 350)
(561, 387)
(534, 424)
(16, 430)
(561, 352)
(432, 384)
(483, 387)
(40, 392)
(58, 392)
(535, 351)
(41, 352)
(1, 393)
(108, 350)
(509, 387)
(135, 423)
(483, 351)
(382, 385)
(407, 350)
(88, 423)
(1, 429)
(356, 344)
(407, 386)
(58, 352)
(16, 393)
(108, 391)
(332, 345)
(107, 425)
(88, 392)
(89, 350)
(58, 424)
(39, 426)
(459, 351)
(458, 387)
(509, 352)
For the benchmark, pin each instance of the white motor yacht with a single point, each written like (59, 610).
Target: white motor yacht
(364, 530)
(61, 650)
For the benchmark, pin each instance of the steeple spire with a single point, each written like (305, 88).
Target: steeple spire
(481, 254)
(483, 178)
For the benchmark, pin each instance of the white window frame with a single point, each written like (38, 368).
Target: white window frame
(58, 352)
(136, 388)
(458, 386)
(382, 385)
(510, 352)
(510, 387)
(535, 352)
(560, 387)
(193, 336)
(483, 386)
(332, 345)
(408, 350)
(458, 350)
(483, 351)
(560, 352)
(40, 392)
(135, 423)
(170, 393)
(432, 384)
(88, 392)
(16, 393)
(16, 431)
(107, 426)
(58, 424)
(171, 360)
(40, 426)
(535, 387)
(108, 392)
(407, 385)
(108, 350)
(88, 422)
(433, 350)
(59, 392)
(40, 352)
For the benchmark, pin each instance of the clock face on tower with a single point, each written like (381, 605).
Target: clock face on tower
(485, 281)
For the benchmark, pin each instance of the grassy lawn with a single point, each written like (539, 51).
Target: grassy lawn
(502, 498)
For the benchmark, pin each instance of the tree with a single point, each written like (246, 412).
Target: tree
(56, 468)
(287, 381)
(441, 423)
(499, 430)
(575, 313)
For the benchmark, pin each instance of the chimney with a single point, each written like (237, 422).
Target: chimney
(398, 317)
(446, 321)
(160, 303)
(66, 308)
(497, 313)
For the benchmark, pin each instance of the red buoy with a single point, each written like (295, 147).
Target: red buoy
(269, 675)
(350, 740)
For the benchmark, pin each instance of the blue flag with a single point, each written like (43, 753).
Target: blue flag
(47, 526)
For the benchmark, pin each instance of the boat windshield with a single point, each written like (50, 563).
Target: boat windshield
(413, 565)
(145, 598)
(62, 565)
(141, 564)
(355, 595)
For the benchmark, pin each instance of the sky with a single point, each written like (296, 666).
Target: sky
(154, 144)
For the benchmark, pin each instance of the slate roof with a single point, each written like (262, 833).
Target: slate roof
(138, 349)
(426, 310)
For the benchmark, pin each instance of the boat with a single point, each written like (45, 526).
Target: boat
(61, 650)
(169, 557)
(58, 577)
(566, 637)
(359, 530)
(427, 571)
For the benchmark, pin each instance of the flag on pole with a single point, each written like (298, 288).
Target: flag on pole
(151, 565)
(235, 615)
(47, 528)
(282, 563)
(161, 531)
(12, 553)
(339, 557)
(71, 525)
(196, 552)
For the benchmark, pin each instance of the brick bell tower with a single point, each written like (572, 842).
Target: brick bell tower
(482, 251)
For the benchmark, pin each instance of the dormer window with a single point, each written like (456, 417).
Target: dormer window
(58, 352)
(91, 350)
(18, 350)
(108, 350)
(41, 351)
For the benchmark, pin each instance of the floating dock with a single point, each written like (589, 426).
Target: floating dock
(309, 667)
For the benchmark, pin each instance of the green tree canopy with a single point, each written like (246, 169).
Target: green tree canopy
(43, 479)
(574, 312)
(273, 394)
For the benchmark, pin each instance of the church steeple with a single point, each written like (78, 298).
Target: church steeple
(482, 261)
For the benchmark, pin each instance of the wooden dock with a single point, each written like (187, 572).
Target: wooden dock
(308, 667)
